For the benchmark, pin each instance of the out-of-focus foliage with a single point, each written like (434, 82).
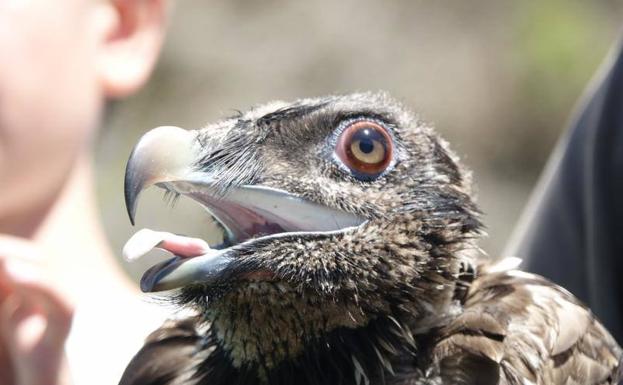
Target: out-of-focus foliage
(560, 44)
(498, 78)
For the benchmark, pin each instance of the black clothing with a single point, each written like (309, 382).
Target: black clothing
(572, 232)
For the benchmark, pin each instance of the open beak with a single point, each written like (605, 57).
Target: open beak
(166, 157)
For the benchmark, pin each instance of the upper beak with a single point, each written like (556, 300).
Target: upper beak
(164, 154)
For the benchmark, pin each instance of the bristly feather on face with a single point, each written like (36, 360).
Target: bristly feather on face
(401, 264)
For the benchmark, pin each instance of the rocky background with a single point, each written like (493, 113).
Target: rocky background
(498, 78)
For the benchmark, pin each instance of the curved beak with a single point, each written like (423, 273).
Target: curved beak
(164, 154)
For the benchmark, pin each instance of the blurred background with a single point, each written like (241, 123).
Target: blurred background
(498, 79)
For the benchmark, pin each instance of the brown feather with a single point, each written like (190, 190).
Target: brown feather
(536, 331)
(165, 355)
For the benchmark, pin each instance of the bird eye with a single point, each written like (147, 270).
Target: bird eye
(365, 147)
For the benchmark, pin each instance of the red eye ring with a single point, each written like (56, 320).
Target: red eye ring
(366, 148)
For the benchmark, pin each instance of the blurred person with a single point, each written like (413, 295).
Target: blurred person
(571, 230)
(60, 61)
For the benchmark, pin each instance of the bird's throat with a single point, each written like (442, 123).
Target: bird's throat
(346, 355)
(265, 323)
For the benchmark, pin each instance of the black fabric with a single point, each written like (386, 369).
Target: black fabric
(572, 231)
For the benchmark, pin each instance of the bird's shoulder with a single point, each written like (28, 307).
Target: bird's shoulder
(166, 354)
(519, 328)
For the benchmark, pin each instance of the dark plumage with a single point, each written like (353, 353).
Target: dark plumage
(400, 295)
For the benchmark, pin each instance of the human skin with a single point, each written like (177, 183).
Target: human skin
(59, 63)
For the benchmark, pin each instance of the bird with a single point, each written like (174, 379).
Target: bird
(350, 256)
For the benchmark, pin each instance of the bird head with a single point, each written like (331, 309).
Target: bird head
(337, 212)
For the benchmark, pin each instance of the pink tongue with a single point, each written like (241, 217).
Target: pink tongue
(184, 246)
(145, 240)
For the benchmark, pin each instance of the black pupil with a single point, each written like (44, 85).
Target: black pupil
(366, 146)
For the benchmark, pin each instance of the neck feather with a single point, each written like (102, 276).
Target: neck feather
(345, 356)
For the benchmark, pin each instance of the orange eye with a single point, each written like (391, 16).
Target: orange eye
(365, 147)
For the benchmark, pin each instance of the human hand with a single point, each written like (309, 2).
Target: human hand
(35, 318)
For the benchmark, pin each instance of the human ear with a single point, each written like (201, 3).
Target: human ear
(130, 35)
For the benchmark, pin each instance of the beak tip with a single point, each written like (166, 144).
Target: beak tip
(130, 200)
(146, 286)
(150, 278)
(161, 153)
(133, 184)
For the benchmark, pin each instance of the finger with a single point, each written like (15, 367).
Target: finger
(6, 285)
(21, 263)
(25, 280)
(6, 363)
(35, 318)
(17, 273)
(17, 250)
(19, 259)
(14, 247)
(36, 358)
(22, 324)
(7, 376)
(52, 309)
